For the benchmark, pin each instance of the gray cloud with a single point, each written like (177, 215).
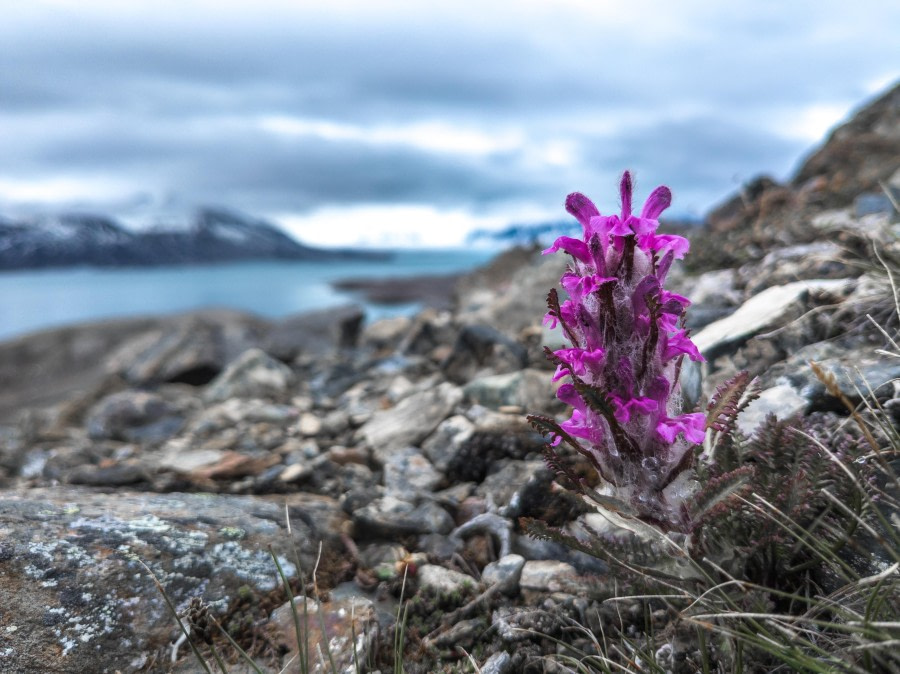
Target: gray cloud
(169, 102)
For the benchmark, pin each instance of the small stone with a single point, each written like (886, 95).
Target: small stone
(505, 572)
(190, 460)
(498, 663)
(546, 575)
(345, 455)
(295, 472)
(336, 422)
(386, 333)
(442, 580)
(309, 424)
(446, 441)
(408, 471)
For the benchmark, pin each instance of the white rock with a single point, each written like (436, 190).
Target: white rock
(546, 575)
(309, 424)
(442, 580)
(759, 312)
(782, 400)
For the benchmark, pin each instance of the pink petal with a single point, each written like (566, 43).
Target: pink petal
(658, 201)
(574, 247)
(582, 208)
(625, 190)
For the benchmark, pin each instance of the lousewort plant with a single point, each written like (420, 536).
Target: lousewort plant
(628, 342)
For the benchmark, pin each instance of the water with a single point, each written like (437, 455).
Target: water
(34, 300)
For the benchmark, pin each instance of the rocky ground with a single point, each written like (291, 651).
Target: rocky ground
(391, 458)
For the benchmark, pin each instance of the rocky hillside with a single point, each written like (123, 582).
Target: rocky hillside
(856, 172)
(400, 447)
(213, 236)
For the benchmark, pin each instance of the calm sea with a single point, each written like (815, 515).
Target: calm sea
(33, 300)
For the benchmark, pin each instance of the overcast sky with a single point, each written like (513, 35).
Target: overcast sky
(408, 122)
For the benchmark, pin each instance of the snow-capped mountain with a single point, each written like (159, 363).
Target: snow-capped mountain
(212, 236)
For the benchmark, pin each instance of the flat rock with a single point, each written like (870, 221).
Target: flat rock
(759, 313)
(410, 421)
(75, 595)
(547, 576)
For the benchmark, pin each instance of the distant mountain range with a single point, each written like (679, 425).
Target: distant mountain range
(213, 236)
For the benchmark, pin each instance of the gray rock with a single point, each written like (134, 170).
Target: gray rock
(855, 373)
(115, 475)
(505, 572)
(133, 416)
(255, 374)
(192, 349)
(448, 438)
(51, 366)
(498, 663)
(408, 471)
(429, 331)
(314, 333)
(478, 347)
(527, 389)
(442, 580)
(411, 420)
(386, 333)
(389, 517)
(760, 312)
(71, 567)
(234, 412)
(505, 486)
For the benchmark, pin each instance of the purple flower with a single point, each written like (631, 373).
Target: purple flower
(627, 342)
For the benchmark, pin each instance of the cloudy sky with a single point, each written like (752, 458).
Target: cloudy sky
(412, 122)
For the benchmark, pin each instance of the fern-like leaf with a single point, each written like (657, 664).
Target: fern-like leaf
(727, 402)
(719, 490)
(555, 311)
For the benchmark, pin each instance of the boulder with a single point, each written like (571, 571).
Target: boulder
(71, 570)
(768, 309)
(192, 348)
